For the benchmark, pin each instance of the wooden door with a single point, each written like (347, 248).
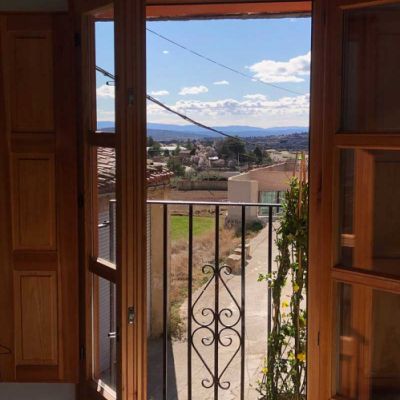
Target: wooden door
(114, 187)
(38, 200)
(355, 180)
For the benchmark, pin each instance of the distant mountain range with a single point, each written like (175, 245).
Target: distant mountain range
(167, 132)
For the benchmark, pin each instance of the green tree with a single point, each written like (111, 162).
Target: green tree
(258, 155)
(176, 167)
(231, 148)
(150, 141)
(189, 145)
(177, 150)
(166, 153)
(155, 149)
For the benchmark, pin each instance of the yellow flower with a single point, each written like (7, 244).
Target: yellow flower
(285, 304)
(301, 357)
(265, 370)
(296, 288)
(291, 355)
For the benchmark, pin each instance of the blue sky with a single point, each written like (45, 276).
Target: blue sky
(276, 51)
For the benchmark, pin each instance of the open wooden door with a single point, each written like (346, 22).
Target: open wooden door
(355, 191)
(113, 188)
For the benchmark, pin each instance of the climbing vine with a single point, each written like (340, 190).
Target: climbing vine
(284, 372)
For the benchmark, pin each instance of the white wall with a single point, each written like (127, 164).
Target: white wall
(242, 190)
(33, 5)
(37, 391)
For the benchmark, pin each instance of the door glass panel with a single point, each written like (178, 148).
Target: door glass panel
(368, 343)
(106, 178)
(369, 213)
(104, 330)
(371, 63)
(105, 84)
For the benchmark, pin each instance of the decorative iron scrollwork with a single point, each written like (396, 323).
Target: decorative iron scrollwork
(218, 325)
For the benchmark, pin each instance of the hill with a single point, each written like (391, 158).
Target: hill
(168, 132)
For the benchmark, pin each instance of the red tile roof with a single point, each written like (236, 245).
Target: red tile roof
(157, 174)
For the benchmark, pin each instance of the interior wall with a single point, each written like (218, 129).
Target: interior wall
(33, 5)
(37, 391)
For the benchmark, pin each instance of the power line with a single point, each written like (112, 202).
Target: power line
(223, 65)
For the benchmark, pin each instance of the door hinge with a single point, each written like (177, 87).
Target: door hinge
(318, 339)
(82, 353)
(77, 39)
(131, 315)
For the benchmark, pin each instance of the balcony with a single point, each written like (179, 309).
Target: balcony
(208, 316)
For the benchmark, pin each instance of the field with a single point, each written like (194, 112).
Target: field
(180, 226)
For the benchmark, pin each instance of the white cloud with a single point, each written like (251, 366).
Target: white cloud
(159, 93)
(293, 70)
(165, 52)
(221, 83)
(193, 90)
(103, 115)
(255, 97)
(254, 110)
(106, 91)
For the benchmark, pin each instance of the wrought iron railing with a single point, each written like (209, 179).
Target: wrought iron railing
(211, 325)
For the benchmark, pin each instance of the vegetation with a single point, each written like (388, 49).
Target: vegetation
(254, 226)
(177, 150)
(154, 147)
(284, 373)
(203, 252)
(180, 226)
(176, 166)
(258, 154)
(231, 148)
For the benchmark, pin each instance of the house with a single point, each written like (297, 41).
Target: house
(50, 268)
(259, 185)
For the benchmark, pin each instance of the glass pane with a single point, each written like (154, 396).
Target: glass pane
(105, 85)
(369, 213)
(386, 217)
(368, 344)
(268, 198)
(106, 203)
(104, 350)
(371, 63)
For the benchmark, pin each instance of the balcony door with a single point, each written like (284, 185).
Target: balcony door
(113, 193)
(356, 202)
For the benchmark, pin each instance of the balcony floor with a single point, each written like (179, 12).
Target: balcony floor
(256, 341)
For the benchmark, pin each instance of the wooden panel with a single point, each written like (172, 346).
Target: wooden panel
(31, 73)
(35, 261)
(37, 373)
(33, 202)
(33, 143)
(36, 318)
